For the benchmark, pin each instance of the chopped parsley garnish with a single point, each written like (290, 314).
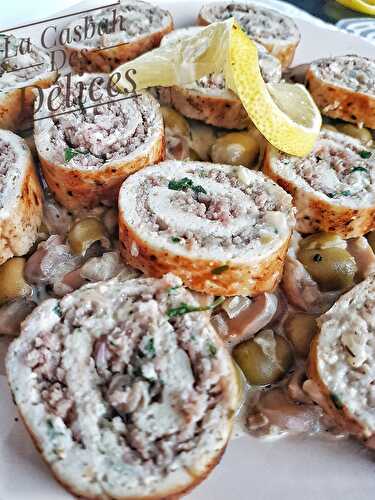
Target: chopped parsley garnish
(336, 195)
(57, 310)
(184, 184)
(150, 348)
(70, 153)
(358, 169)
(220, 269)
(175, 239)
(365, 154)
(212, 350)
(186, 308)
(317, 257)
(173, 288)
(337, 402)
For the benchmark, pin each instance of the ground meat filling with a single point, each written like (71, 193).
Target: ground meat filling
(15, 70)
(99, 133)
(7, 161)
(354, 72)
(132, 20)
(209, 209)
(263, 25)
(339, 167)
(346, 358)
(158, 371)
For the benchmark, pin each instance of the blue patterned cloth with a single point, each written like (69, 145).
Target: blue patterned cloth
(363, 26)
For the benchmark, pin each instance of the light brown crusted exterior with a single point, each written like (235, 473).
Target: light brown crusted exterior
(342, 416)
(19, 229)
(338, 102)
(283, 52)
(239, 279)
(17, 106)
(174, 494)
(84, 188)
(315, 214)
(84, 60)
(218, 111)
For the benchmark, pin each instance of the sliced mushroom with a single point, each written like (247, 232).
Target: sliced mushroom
(12, 315)
(249, 321)
(364, 256)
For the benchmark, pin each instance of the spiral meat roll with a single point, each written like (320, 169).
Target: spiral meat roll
(120, 33)
(344, 87)
(342, 361)
(19, 74)
(224, 230)
(277, 32)
(333, 188)
(96, 140)
(208, 99)
(21, 198)
(126, 389)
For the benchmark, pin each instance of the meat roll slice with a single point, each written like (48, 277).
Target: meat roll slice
(21, 199)
(95, 141)
(344, 87)
(122, 33)
(277, 32)
(224, 230)
(207, 99)
(126, 391)
(333, 188)
(342, 360)
(18, 75)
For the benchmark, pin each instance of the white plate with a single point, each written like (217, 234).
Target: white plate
(307, 469)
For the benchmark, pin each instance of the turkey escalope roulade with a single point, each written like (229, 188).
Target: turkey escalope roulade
(125, 388)
(19, 73)
(208, 99)
(277, 32)
(88, 149)
(333, 188)
(224, 230)
(122, 32)
(342, 361)
(344, 87)
(21, 198)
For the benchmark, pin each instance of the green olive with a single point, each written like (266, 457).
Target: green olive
(259, 366)
(235, 148)
(175, 121)
(300, 328)
(332, 268)
(84, 233)
(363, 134)
(321, 240)
(371, 239)
(193, 155)
(12, 282)
(327, 126)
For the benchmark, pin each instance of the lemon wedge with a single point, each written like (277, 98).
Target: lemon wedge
(285, 114)
(365, 7)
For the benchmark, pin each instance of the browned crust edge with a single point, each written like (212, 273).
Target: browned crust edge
(342, 417)
(239, 279)
(77, 188)
(351, 106)
(19, 230)
(315, 214)
(107, 60)
(17, 105)
(217, 111)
